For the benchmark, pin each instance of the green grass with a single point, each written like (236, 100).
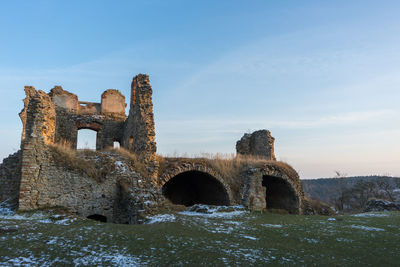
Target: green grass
(245, 239)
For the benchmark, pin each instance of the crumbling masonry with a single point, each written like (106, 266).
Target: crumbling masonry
(129, 186)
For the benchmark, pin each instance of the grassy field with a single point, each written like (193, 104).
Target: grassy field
(195, 239)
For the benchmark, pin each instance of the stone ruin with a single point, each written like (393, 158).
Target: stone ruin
(135, 184)
(259, 143)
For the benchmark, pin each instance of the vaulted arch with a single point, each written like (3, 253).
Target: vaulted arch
(189, 184)
(283, 192)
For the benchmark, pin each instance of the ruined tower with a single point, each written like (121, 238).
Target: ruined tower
(139, 133)
(259, 143)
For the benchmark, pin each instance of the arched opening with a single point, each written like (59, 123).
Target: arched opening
(279, 194)
(86, 139)
(97, 217)
(116, 145)
(195, 187)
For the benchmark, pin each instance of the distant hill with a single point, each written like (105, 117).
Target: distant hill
(326, 189)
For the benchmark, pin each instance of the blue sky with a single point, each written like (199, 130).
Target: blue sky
(323, 76)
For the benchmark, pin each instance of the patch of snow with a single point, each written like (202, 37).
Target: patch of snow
(250, 237)
(214, 211)
(161, 218)
(233, 222)
(66, 221)
(272, 225)
(6, 208)
(366, 228)
(120, 165)
(45, 221)
(116, 259)
(331, 219)
(34, 216)
(52, 241)
(23, 261)
(310, 240)
(219, 228)
(370, 214)
(147, 202)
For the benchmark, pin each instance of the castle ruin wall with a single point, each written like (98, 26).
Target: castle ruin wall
(127, 193)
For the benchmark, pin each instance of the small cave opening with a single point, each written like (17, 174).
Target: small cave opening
(195, 187)
(97, 217)
(280, 195)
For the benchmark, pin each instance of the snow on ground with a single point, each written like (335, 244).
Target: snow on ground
(120, 166)
(215, 211)
(271, 225)
(366, 228)
(161, 218)
(250, 237)
(309, 240)
(116, 259)
(35, 216)
(370, 214)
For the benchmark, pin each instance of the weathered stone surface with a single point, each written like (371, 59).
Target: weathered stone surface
(286, 194)
(138, 184)
(38, 116)
(381, 205)
(64, 99)
(10, 178)
(259, 143)
(139, 135)
(112, 101)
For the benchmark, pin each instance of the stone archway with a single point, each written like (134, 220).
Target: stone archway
(195, 184)
(282, 191)
(92, 126)
(280, 195)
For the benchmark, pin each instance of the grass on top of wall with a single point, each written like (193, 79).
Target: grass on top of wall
(95, 164)
(229, 166)
(90, 163)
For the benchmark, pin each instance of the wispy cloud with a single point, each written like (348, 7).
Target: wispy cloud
(224, 125)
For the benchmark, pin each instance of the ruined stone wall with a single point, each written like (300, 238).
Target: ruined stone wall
(56, 118)
(10, 178)
(108, 129)
(38, 116)
(54, 186)
(259, 143)
(127, 193)
(139, 133)
(107, 118)
(123, 196)
(254, 192)
(112, 101)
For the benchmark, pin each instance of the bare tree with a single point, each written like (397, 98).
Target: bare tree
(388, 188)
(342, 191)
